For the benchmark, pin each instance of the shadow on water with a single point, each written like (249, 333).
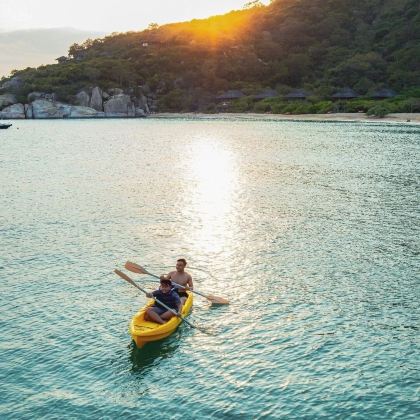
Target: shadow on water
(153, 353)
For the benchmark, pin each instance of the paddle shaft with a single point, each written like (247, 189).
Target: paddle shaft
(176, 284)
(126, 278)
(135, 268)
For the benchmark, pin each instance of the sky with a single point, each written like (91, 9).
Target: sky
(107, 16)
(35, 32)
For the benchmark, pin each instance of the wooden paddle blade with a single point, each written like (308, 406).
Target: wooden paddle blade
(123, 275)
(216, 300)
(126, 278)
(135, 268)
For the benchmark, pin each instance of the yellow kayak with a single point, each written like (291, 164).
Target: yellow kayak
(144, 332)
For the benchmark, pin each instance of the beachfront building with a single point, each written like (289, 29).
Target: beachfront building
(297, 95)
(383, 94)
(265, 94)
(230, 95)
(345, 94)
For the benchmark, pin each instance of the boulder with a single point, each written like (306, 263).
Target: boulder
(96, 99)
(33, 96)
(131, 110)
(85, 112)
(115, 91)
(50, 96)
(65, 109)
(140, 112)
(42, 108)
(145, 89)
(28, 111)
(142, 103)
(13, 112)
(13, 84)
(82, 98)
(119, 106)
(7, 99)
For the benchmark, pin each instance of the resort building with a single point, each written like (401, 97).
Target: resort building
(297, 95)
(345, 94)
(230, 95)
(265, 94)
(383, 94)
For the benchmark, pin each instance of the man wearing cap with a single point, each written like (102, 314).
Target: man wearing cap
(166, 295)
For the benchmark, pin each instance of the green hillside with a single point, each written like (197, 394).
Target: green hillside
(318, 45)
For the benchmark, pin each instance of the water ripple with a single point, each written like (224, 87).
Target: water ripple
(310, 229)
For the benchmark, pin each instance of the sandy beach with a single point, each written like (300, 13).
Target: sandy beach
(356, 117)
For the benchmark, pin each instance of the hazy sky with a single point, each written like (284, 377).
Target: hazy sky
(106, 15)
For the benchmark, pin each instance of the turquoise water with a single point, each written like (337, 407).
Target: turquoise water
(310, 229)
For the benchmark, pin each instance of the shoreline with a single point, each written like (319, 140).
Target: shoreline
(411, 118)
(408, 118)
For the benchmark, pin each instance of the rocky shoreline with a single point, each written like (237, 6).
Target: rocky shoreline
(96, 104)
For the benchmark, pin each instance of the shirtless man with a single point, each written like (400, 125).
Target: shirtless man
(180, 277)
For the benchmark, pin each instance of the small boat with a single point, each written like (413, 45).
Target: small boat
(143, 332)
(4, 126)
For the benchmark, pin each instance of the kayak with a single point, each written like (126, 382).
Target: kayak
(143, 332)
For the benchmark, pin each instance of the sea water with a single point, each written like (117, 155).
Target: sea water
(310, 229)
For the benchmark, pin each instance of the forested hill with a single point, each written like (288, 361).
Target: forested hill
(319, 45)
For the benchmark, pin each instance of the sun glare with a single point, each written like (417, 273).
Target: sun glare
(213, 176)
(215, 31)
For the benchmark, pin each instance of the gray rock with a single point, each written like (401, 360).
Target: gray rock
(28, 111)
(82, 98)
(46, 109)
(13, 112)
(13, 84)
(115, 91)
(96, 99)
(145, 89)
(33, 96)
(119, 106)
(105, 95)
(140, 112)
(7, 99)
(65, 109)
(85, 112)
(142, 103)
(50, 96)
(131, 110)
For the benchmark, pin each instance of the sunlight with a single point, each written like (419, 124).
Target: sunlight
(213, 177)
(215, 31)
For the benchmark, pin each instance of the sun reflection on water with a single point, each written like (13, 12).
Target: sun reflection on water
(213, 183)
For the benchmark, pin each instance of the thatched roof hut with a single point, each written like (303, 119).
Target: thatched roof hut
(383, 94)
(297, 94)
(266, 93)
(230, 95)
(62, 59)
(345, 93)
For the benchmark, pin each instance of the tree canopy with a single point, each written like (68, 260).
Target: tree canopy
(319, 45)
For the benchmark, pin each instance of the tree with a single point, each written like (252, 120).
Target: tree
(252, 4)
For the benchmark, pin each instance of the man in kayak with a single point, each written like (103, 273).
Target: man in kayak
(165, 294)
(180, 277)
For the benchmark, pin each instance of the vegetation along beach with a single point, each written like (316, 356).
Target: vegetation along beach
(210, 210)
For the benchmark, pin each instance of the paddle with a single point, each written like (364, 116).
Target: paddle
(135, 268)
(126, 278)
